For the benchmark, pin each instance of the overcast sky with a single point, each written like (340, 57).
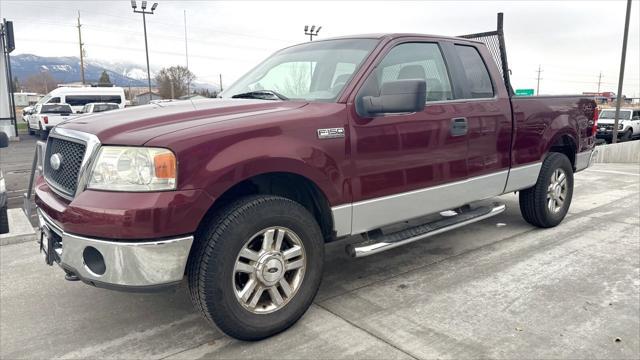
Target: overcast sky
(573, 41)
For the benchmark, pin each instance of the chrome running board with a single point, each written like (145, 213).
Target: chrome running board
(381, 242)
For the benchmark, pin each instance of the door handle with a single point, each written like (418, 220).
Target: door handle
(459, 126)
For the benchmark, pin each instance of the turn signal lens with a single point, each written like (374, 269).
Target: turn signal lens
(165, 165)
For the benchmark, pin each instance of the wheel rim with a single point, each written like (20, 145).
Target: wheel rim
(557, 191)
(269, 270)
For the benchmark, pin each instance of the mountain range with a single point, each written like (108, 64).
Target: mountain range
(66, 69)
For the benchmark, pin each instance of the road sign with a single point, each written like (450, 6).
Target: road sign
(524, 92)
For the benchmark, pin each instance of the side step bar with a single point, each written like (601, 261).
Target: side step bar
(378, 243)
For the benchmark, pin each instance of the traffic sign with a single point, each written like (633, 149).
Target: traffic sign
(524, 92)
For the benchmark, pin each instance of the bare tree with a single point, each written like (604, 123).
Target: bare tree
(297, 83)
(173, 82)
(40, 83)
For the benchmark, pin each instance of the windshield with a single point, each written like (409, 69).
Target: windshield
(611, 114)
(315, 71)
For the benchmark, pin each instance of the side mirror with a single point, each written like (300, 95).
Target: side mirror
(401, 96)
(4, 140)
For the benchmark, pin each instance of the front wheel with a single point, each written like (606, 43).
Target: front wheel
(627, 135)
(547, 202)
(256, 266)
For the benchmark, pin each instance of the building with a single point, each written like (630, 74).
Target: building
(144, 98)
(23, 99)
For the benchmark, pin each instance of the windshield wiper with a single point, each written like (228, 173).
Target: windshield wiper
(261, 94)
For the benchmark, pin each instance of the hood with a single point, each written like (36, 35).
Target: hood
(137, 125)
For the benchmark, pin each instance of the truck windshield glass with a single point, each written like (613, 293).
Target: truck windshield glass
(611, 114)
(316, 71)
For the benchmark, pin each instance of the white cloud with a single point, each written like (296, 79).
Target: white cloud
(572, 41)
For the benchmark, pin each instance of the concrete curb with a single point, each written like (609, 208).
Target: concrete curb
(20, 229)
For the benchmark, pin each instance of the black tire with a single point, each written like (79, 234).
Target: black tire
(627, 136)
(4, 220)
(534, 202)
(211, 264)
(43, 134)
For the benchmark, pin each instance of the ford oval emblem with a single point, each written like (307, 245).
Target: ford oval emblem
(55, 161)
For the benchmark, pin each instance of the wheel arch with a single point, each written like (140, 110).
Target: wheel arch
(290, 185)
(565, 143)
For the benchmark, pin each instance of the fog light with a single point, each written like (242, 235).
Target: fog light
(93, 261)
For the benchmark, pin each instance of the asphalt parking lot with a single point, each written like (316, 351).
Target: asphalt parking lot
(498, 288)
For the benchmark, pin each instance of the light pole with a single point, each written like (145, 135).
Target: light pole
(144, 13)
(311, 32)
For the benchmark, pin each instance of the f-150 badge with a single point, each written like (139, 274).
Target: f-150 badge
(331, 133)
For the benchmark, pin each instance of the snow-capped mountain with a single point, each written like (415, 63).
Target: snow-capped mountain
(67, 69)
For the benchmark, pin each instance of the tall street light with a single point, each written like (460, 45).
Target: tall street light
(311, 32)
(144, 13)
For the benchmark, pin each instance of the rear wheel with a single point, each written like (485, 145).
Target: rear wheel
(43, 133)
(257, 266)
(4, 220)
(547, 202)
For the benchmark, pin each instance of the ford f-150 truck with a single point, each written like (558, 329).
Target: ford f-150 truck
(46, 116)
(322, 141)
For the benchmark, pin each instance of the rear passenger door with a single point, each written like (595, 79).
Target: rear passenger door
(401, 160)
(485, 104)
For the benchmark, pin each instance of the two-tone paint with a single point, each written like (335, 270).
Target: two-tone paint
(382, 170)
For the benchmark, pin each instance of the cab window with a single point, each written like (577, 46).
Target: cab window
(421, 61)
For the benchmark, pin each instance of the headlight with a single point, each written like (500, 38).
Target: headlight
(125, 168)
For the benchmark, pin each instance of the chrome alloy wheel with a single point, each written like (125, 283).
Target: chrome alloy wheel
(269, 270)
(557, 191)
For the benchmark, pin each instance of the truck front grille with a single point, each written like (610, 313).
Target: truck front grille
(70, 155)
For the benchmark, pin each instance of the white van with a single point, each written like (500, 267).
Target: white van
(78, 97)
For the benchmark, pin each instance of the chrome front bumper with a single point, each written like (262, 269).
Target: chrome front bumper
(127, 265)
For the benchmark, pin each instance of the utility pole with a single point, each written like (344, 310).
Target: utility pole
(311, 32)
(614, 138)
(81, 50)
(539, 78)
(220, 82)
(599, 82)
(144, 24)
(186, 50)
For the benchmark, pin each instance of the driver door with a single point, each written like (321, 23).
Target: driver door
(407, 165)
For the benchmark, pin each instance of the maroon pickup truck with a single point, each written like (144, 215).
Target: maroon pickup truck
(352, 136)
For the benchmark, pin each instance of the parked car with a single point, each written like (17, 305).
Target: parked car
(628, 124)
(4, 218)
(91, 108)
(46, 116)
(78, 97)
(241, 193)
(26, 112)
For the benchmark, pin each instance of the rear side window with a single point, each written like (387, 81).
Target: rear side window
(82, 100)
(56, 109)
(478, 79)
